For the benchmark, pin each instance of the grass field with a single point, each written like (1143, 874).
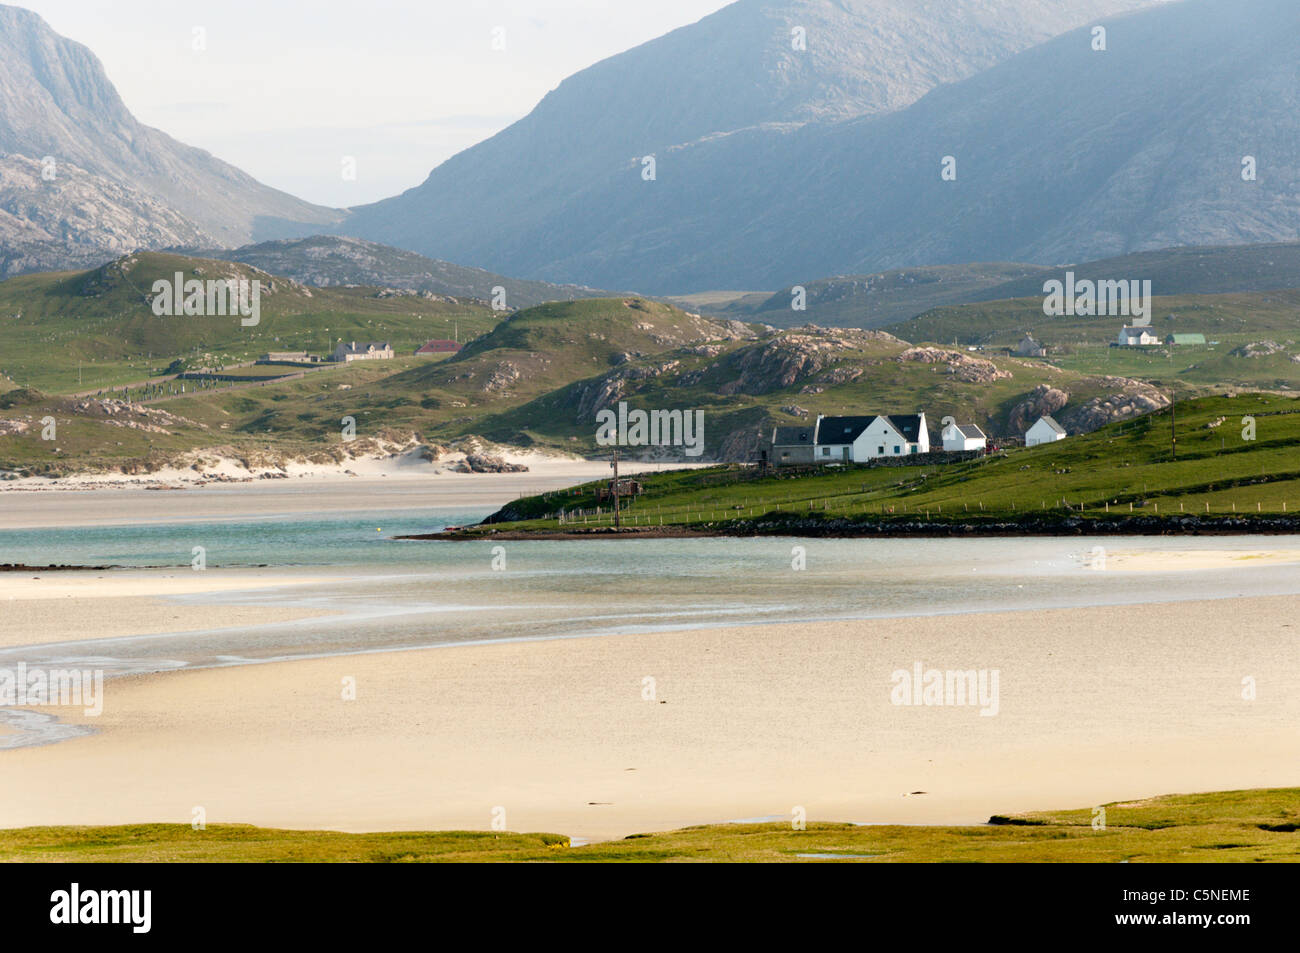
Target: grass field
(1122, 469)
(1082, 345)
(1233, 826)
(72, 332)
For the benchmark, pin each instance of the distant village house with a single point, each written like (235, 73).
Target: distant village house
(850, 439)
(792, 446)
(288, 357)
(1137, 337)
(1047, 430)
(960, 437)
(372, 351)
(437, 347)
(1029, 348)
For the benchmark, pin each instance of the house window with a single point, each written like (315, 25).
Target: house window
(826, 451)
(897, 449)
(880, 451)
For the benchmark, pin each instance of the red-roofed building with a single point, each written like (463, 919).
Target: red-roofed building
(438, 347)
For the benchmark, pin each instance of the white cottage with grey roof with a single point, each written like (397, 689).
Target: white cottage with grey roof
(958, 437)
(1047, 430)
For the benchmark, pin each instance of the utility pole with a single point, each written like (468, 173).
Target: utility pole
(1173, 422)
(618, 520)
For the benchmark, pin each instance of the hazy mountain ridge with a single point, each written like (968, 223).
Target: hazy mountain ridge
(498, 204)
(1063, 154)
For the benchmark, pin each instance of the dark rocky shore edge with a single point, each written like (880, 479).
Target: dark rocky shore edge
(23, 567)
(813, 527)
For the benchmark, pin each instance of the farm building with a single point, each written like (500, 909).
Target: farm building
(627, 489)
(287, 357)
(437, 347)
(352, 351)
(1137, 337)
(792, 446)
(1186, 340)
(963, 437)
(1047, 430)
(1029, 348)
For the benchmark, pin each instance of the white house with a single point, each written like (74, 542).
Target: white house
(352, 351)
(1137, 337)
(963, 437)
(1046, 430)
(840, 439)
(859, 439)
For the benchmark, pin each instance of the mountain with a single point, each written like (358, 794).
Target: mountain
(114, 185)
(1063, 154)
(326, 261)
(532, 200)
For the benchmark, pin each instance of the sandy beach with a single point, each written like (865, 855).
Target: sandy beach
(47, 608)
(750, 722)
(106, 501)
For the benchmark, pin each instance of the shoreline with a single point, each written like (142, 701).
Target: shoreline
(1185, 827)
(405, 488)
(844, 529)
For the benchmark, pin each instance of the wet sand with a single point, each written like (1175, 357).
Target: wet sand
(1093, 705)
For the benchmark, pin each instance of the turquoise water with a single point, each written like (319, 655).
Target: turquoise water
(357, 539)
(383, 594)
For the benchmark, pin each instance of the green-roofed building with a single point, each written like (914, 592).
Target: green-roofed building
(1185, 339)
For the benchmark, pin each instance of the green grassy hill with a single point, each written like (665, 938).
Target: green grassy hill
(82, 331)
(530, 354)
(539, 377)
(1199, 270)
(868, 301)
(745, 387)
(884, 300)
(1229, 322)
(1123, 470)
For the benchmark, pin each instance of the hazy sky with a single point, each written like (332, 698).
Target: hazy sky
(286, 88)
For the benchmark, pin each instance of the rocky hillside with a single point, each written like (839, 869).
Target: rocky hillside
(330, 261)
(539, 378)
(111, 182)
(747, 383)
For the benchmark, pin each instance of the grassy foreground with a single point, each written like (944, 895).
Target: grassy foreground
(1239, 826)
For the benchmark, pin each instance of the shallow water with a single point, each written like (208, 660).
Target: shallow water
(391, 595)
